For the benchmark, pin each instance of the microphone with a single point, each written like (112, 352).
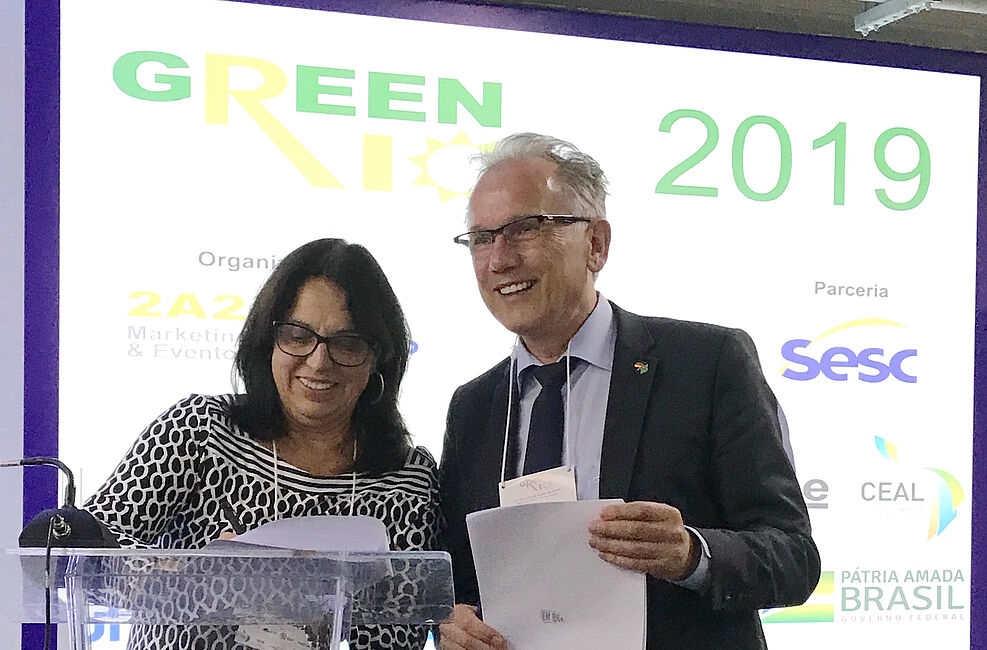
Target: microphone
(70, 527)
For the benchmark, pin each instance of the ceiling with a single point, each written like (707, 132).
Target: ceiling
(942, 28)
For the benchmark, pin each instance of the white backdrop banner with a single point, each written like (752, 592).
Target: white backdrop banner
(828, 209)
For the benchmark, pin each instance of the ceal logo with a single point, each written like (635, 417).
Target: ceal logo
(942, 508)
(840, 363)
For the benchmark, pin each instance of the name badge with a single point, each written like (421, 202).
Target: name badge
(547, 486)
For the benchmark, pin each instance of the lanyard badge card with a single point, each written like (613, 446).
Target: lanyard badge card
(550, 485)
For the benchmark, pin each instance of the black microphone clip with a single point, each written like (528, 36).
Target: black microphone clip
(69, 526)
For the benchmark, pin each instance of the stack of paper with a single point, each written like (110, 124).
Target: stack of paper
(543, 586)
(325, 533)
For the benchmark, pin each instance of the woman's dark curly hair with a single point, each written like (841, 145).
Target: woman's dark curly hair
(382, 438)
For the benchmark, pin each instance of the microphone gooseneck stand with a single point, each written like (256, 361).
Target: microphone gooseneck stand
(65, 527)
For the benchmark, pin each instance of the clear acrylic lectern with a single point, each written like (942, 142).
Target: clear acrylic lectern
(255, 587)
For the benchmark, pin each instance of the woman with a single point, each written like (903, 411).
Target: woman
(315, 432)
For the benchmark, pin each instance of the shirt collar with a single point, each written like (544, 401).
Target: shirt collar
(593, 342)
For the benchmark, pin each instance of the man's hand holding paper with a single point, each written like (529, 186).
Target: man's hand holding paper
(647, 537)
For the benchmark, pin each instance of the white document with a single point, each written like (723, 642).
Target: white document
(327, 533)
(544, 587)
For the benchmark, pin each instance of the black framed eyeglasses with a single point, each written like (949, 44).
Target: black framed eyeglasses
(521, 229)
(347, 349)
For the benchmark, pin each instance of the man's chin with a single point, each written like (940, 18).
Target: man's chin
(511, 322)
(517, 313)
(524, 327)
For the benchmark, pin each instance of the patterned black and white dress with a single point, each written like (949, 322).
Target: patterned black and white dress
(167, 493)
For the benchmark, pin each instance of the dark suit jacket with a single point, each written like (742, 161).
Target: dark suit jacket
(698, 431)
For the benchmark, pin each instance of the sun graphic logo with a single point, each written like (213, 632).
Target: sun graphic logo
(949, 492)
(817, 609)
(446, 165)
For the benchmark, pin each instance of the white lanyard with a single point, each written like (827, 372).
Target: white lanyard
(277, 481)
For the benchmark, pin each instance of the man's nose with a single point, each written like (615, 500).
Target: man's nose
(503, 255)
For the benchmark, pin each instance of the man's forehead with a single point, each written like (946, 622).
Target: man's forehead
(514, 188)
(533, 170)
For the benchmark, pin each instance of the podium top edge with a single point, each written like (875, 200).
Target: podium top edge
(259, 551)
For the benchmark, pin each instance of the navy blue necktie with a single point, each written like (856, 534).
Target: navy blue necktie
(545, 430)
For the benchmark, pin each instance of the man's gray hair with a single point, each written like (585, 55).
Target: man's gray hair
(584, 183)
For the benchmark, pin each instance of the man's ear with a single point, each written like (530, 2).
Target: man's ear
(599, 245)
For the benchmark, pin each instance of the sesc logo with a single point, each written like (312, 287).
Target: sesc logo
(840, 363)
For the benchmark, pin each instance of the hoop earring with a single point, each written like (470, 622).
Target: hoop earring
(376, 374)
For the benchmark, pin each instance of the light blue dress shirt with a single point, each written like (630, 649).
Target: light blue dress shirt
(591, 358)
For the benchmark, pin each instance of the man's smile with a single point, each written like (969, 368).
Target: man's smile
(511, 288)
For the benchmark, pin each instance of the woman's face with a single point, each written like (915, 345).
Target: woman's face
(318, 395)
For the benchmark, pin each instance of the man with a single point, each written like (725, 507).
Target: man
(673, 417)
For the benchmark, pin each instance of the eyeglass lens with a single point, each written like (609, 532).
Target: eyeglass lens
(520, 230)
(345, 349)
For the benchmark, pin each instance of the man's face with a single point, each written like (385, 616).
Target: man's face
(542, 287)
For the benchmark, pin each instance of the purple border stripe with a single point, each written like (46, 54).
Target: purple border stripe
(978, 551)
(41, 162)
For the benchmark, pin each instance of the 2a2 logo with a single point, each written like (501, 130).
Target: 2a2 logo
(186, 304)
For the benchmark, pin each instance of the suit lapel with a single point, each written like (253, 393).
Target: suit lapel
(492, 442)
(630, 387)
